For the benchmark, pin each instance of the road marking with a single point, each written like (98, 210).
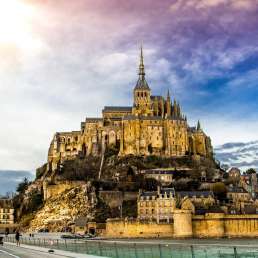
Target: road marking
(15, 256)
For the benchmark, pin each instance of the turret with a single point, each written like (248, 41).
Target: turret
(168, 105)
(175, 109)
(156, 106)
(178, 111)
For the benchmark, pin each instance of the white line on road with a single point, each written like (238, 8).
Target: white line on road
(15, 256)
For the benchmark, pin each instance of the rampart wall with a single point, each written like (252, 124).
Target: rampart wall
(211, 225)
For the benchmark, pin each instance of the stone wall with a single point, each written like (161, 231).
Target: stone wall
(115, 198)
(10, 227)
(210, 225)
(120, 228)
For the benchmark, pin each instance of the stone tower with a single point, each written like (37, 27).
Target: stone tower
(142, 92)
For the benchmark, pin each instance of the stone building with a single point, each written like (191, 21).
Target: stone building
(6, 211)
(249, 183)
(196, 200)
(153, 125)
(6, 216)
(158, 206)
(238, 194)
(163, 175)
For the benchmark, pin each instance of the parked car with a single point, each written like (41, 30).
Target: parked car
(1, 240)
(43, 230)
(76, 236)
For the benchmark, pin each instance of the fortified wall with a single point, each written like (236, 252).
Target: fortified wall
(210, 225)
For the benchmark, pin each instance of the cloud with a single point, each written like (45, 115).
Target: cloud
(244, 81)
(244, 5)
(88, 58)
(9, 179)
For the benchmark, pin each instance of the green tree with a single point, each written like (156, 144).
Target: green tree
(23, 186)
(250, 171)
(220, 190)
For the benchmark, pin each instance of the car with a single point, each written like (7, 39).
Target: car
(43, 230)
(1, 240)
(73, 236)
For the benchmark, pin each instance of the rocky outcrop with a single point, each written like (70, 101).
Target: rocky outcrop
(61, 210)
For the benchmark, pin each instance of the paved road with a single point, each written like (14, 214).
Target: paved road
(19, 252)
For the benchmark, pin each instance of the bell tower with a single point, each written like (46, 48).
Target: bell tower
(142, 92)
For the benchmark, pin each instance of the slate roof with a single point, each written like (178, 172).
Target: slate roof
(235, 189)
(142, 84)
(167, 191)
(117, 108)
(191, 194)
(93, 119)
(148, 194)
(158, 97)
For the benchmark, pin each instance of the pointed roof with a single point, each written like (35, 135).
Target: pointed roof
(141, 83)
(168, 94)
(198, 126)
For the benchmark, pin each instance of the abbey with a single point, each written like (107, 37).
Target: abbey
(153, 125)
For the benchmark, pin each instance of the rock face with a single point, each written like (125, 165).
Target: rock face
(60, 211)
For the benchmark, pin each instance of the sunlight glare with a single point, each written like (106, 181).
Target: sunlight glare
(15, 23)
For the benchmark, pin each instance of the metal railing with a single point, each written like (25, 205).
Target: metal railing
(128, 249)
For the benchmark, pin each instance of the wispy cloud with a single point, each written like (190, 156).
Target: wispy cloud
(88, 58)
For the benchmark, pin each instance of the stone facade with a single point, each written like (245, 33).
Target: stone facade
(158, 206)
(6, 212)
(152, 126)
(7, 224)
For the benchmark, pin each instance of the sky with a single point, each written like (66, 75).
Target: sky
(64, 60)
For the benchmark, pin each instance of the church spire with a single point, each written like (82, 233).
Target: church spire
(141, 83)
(141, 66)
(198, 126)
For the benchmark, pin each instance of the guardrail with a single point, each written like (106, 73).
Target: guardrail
(128, 249)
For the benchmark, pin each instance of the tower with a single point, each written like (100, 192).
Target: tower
(142, 92)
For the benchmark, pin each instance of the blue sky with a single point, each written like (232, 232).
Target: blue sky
(63, 62)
